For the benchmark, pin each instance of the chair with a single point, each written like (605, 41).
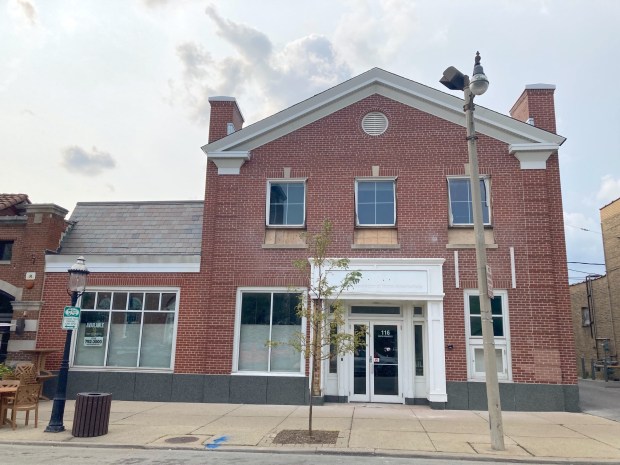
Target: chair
(26, 399)
(25, 372)
(4, 400)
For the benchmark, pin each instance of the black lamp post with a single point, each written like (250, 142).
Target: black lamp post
(455, 80)
(75, 288)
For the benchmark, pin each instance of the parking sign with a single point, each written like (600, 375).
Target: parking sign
(71, 318)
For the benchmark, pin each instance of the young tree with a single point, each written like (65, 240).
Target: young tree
(325, 336)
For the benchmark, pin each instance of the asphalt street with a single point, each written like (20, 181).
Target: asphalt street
(600, 398)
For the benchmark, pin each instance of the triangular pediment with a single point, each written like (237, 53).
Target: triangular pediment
(392, 86)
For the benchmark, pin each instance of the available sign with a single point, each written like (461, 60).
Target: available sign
(71, 318)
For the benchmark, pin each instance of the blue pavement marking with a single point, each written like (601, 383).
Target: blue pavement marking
(216, 442)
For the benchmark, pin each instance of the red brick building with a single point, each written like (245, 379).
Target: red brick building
(27, 231)
(385, 159)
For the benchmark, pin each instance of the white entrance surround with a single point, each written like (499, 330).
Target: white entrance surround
(403, 281)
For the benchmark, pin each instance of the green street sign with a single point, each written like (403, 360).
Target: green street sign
(71, 318)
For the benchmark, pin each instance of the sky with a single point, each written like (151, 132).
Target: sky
(107, 100)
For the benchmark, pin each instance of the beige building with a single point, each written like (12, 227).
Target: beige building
(595, 303)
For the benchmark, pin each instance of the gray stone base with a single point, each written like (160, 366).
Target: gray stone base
(169, 387)
(416, 401)
(515, 397)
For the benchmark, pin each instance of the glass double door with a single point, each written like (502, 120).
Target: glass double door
(375, 368)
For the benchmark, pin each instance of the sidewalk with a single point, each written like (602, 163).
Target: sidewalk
(363, 429)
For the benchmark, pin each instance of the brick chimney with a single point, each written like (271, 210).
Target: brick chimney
(226, 117)
(536, 107)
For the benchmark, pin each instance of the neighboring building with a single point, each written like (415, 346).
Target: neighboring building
(384, 158)
(595, 302)
(27, 231)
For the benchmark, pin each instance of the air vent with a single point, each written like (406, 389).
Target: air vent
(375, 123)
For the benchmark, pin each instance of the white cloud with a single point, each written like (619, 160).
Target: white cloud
(374, 33)
(78, 160)
(275, 78)
(609, 190)
(28, 12)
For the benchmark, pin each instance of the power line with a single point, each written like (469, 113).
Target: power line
(586, 263)
(583, 229)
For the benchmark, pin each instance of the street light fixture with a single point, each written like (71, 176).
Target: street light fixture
(455, 80)
(75, 288)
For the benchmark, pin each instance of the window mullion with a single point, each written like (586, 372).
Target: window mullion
(270, 331)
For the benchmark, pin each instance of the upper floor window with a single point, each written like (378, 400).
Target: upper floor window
(375, 202)
(461, 212)
(6, 250)
(286, 202)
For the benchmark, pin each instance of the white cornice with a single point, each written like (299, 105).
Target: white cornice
(378, 81)
(127, 263)
(532, 156)
(228, 162)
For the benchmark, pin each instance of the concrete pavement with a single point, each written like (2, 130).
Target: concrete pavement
(382, 429)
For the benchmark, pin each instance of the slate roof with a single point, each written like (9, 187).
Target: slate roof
(135, 228)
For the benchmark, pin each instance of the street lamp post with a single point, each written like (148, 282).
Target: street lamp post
(76, 286)
(455, 80)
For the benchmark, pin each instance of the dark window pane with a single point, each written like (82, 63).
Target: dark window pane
(119, 302)
(496, 305)
(276, 214)
(6, 250)
(135, 301)
(168, 301)
(88, 300)
(376, 310)
(104, 300)
(419, 350)
(278, 194)
(255, 308)
(284, 312)
(475, 325)
(474, 305)
(152, 301)
(498, 326)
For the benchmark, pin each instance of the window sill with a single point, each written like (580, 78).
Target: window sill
(284, 246)
(470, 246)
(375, 246)
(5, 262)
(122, 370)
(262, 373)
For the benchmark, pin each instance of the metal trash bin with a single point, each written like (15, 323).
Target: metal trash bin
(92, 414)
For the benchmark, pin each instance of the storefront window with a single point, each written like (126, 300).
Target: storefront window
(268, 316)
(126, 329)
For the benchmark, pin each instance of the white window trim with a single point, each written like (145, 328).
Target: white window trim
(128, 369)
(475, 342)
(235, 362)
(487, 185)
(268, 201)
(374, 178)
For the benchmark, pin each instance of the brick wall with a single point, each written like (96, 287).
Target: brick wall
(420, 150)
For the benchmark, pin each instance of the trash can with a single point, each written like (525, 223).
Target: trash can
(92, 414)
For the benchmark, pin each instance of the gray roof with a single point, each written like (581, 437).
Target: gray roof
(170, 227)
